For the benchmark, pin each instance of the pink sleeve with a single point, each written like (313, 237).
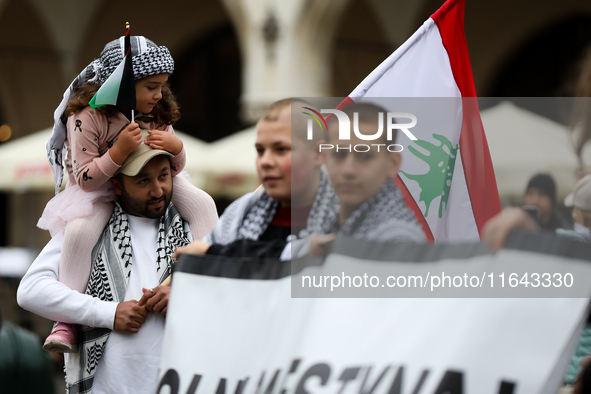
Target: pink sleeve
(91, 170)
(177, 162)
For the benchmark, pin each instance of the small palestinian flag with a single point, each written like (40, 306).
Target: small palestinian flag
(119, 88)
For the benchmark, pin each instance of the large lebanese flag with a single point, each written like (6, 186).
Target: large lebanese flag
(448, 172)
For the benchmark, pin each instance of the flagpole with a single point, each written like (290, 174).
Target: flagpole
(128, 52)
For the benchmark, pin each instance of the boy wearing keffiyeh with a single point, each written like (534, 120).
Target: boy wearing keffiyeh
(371, 206)
(296, 199)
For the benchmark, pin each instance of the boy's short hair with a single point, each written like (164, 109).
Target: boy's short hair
(299, 120)
(272, 113)
(368, 113)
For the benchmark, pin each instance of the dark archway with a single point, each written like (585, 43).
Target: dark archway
(28, 63)
(545, 66)
(360, 45)
(30, 69)
(208, 83)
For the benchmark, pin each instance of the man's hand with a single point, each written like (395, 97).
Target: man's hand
(319, 243)
(498, 227)
(195, 247)
(129, 317)
(156, 299)
(129, 138)
(159, 139)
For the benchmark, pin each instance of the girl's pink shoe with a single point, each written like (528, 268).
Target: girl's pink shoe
(63, 339)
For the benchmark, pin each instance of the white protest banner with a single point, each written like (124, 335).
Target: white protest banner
(233, 327)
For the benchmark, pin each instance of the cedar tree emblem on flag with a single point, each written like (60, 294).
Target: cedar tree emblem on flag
(119, 88)
(458, 193)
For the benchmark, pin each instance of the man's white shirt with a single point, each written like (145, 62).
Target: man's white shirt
(134, 358)
(130, 361)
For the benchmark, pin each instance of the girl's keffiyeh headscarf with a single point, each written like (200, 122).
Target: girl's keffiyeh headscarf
(147, 59)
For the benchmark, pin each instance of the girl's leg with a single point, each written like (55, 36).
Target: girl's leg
(80, 237)
(195, 206)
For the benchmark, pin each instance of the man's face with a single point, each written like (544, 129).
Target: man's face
(358, 176)
(273, 145)
(536, 197)
(148, 91)
(147, 194)
(279, 153)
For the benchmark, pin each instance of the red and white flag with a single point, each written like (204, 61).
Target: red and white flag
(448, 172)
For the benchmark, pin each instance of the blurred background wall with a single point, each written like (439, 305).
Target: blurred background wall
(234, 57)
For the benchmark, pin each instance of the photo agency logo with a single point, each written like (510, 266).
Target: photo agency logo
(392, 119)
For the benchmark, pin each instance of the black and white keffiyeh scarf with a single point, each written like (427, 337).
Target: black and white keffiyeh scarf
(112, 261)
(383, 217)
(147, 59)
(324, 208)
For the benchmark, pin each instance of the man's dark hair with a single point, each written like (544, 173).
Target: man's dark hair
(545, 183)
(119, 178)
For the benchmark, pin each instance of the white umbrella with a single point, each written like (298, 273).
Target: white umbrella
(237, 151)
(231, 171)
(24, 165)
(198, 158)
(523, 144)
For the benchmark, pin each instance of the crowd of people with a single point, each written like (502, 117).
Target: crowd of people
(128, 211)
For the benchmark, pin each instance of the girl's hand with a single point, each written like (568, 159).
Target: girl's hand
(128, 140)
(159, 139)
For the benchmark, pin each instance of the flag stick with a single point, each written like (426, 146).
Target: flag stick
(166, 282)
(128, 52)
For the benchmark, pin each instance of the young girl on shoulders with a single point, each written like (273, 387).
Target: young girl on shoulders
(97, 142)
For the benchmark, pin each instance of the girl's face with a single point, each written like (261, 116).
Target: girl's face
(148, 91)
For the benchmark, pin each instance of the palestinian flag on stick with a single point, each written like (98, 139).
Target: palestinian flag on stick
(119, 88)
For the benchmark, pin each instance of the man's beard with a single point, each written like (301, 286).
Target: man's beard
(142, 208)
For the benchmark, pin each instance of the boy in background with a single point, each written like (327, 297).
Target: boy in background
(295, 201)
(371, 206)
